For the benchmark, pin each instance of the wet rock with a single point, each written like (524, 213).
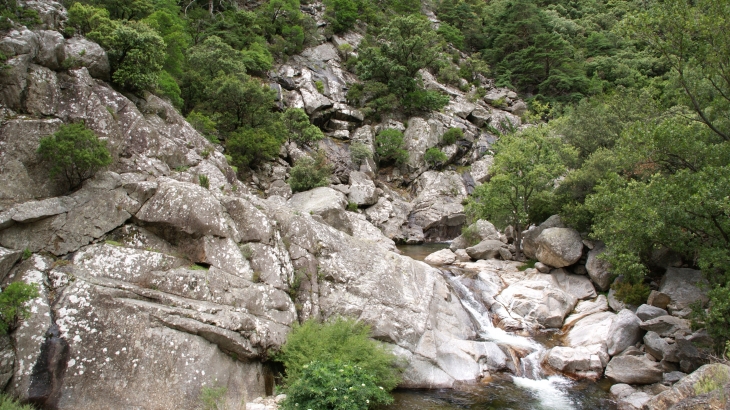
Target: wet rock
(634, 370)
(624, 332)
(598, 269)
(442, 257)
(559, 247)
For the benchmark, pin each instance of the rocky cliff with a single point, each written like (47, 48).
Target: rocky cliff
(154, 287)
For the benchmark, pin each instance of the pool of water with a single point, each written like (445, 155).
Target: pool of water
(504, 393)
(419, 252)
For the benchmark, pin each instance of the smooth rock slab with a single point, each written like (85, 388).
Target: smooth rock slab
(634, 370)
(442, 257)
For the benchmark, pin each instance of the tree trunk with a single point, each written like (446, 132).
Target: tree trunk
(518, 242)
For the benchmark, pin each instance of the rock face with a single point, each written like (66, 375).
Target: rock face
(559, 247)
(529, 238)
(683, 288)
(712, 377)
(634, 370)
(437, 207)
(362, 189)
(599, 270)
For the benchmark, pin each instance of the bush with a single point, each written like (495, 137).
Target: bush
(452, 135)
(359, 152)
(250, 146)
(13, 307)
(204, 182)
(74, 152)
(631, 293)
(204, 125)
(347, 387)
(343, 341)
(8, 403)
(434, 157)
(389, 147)
(308, 173)
(300, 129)
(471, 235)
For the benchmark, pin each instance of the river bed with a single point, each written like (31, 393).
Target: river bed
(504, 391)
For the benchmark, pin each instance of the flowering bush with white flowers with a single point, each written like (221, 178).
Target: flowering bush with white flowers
(334, 386)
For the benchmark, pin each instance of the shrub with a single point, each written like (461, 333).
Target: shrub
(352, 206)
(389, 147)
(249, 146)
(471, 234)
(631, 293)
(320, 86)
(343, 341)
(211, 398)
(434, 157)
(74, 152)
(13, 307)
(8, 403)
(359, 152)
(300, 129)
(204, 182)
(308, 173)
(452, 135)
(204, 125)
(347, 387)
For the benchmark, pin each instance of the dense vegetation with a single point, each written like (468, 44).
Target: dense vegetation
(14, 305)
(335, 365)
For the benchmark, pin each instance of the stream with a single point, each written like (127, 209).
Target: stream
(529, 390)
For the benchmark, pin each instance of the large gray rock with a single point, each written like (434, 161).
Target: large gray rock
(634, 370)
(187, 208)
(537, 301)
(90, 55)
(325, 202)
(529, 237)
(624, 332)
(647, 312)
(582, 361)
(487, 249)
(712, 375)
(660, 347)
(576, 285)
(629, 398)
(8, 258)
(684, 287)
(591, 330)
(667, 326)
(442, 257)
(32, 211)
(586, 308)
(559, 247)
(598, 269)
(362, 189)
(438, 207)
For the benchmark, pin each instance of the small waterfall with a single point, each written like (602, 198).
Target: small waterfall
(551, 390)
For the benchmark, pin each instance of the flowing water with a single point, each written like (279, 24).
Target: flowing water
(529, 389)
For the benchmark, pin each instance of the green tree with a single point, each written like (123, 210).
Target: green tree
(300, 129)
(243, 101)
(136, 55)
(75, 153)
(13, 304)
(249, 147)
(526, 166)
(434, 157)
(390, 147)
(341, 14)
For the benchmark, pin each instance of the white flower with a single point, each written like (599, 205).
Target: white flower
(380, 387)
(363, 385)
(335, 389)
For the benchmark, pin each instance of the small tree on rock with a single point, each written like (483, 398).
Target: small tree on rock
(75, 153)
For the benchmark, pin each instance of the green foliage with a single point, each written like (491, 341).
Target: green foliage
(243, 101)
(529, 264)
(471, 235)
(8, 403)
(352, 206)
(136, 55)
(335, 385)
(203, 180)
(360, 152)
(11, 11)
(390, 147)
(434, 157)
(13, 304)
(27, 253)
(75, 153)
(452, 135)
(249, 146)
(211, 398)
(526, 165)
(711, 381)
(341, 14)
(204, 125)
(300, 129)
(168, 87)
(339, 340)
(631, 293)
(308, 173)
(319, 85)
